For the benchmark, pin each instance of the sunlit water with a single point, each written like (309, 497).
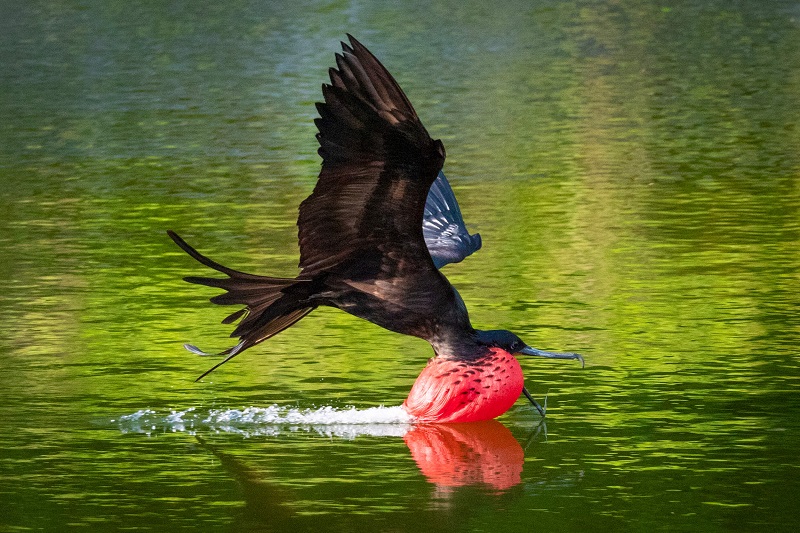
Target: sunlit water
(632, 167)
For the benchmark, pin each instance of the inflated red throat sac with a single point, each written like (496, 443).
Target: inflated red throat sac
(465, 391)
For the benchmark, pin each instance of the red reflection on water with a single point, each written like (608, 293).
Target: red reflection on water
(454, 455)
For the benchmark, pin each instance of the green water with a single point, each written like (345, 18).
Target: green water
(632, 167)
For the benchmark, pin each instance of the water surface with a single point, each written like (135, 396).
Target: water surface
(632, 167)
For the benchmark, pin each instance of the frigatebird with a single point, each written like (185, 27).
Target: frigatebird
(380, 222)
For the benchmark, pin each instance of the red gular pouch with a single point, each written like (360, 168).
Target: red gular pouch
(450, 390)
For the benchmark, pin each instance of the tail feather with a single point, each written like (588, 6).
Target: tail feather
(271, 304)
(209, 262)
(246, 295)
(233, 317)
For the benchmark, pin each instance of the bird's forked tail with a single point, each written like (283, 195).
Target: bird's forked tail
(271, 304)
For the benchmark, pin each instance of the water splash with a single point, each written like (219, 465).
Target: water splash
(347, 423)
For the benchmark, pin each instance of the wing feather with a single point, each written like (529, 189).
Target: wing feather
(378, 164)
(443, 226)
(361, 229)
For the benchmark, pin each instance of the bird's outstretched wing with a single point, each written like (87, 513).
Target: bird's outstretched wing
(443, 226)
(361, 228)
(378, 165)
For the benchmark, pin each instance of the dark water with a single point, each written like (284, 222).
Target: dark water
(633, 168)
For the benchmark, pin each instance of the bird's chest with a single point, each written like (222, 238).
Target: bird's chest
(459, 391)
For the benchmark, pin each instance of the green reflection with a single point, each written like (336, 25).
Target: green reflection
(632, 167)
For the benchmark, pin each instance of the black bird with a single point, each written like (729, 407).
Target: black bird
(380, 222)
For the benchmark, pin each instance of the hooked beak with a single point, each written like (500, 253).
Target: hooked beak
(552, 355)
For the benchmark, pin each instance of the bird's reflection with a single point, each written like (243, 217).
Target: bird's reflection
(451, 457)
(455, 455)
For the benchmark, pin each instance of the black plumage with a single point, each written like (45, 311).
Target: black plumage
(373, 233)
(360, 231)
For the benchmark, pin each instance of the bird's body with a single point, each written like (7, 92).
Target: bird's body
(380, 222)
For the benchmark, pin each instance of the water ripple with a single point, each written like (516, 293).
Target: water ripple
(273, 420)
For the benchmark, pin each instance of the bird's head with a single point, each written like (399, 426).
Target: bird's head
(501, 338)
(511, 343)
